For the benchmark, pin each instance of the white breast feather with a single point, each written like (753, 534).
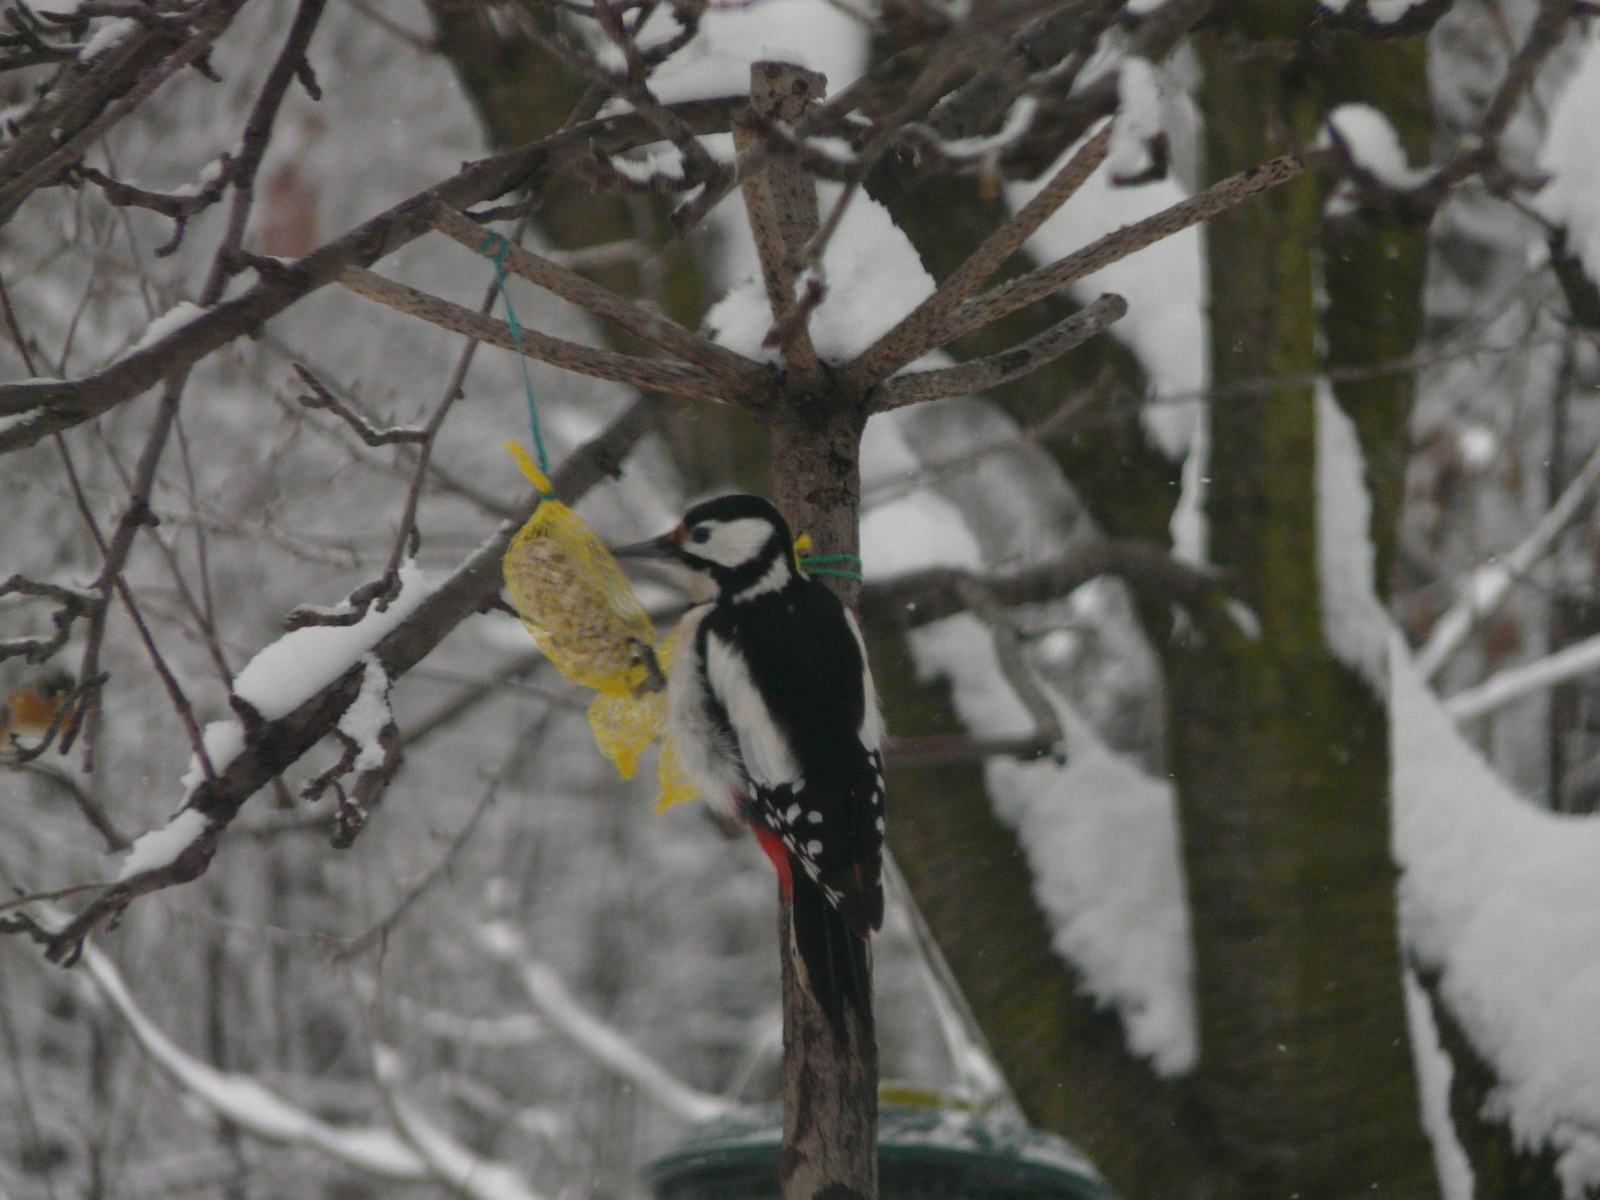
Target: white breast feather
(762, 745)
(708, 757)
(871, 731)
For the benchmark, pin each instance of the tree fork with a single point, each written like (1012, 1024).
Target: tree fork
(830, 1084)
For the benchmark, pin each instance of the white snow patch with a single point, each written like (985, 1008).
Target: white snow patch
(1373, 145)
(16, 420)
(288, 672)
(1138, 120)
(369, 715)
(107, 36)
(1435, 1070)
(1164, 285)
(1571, 156)
(1387, 12)
(223, 741)
(1190, 532)
(159, 847)
(1503, 899)
(1478, 446)
(204, 178)
(1354, 624)
(169, 322)
(1101, 838)
(1019, 117)
(809, 33)
(1384, 12)
(874, 278)
(661, 161)
(914, 532)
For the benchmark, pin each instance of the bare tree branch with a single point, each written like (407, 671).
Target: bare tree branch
(676, 379)
(70, 119)
(980, 375)
(918, 332)
(644, 322)
(922, 597)
(1113, 247)
(34, 409)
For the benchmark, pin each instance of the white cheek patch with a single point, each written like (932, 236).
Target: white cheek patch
(731, 542)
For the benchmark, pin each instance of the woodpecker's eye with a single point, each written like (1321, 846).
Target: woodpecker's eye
(701, 534)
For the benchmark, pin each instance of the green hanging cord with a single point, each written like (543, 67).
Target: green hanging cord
(490, 240)
(817, 564)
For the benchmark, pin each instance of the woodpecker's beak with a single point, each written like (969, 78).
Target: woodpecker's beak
(665, 546)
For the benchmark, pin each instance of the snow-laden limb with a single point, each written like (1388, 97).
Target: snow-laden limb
(281, 677)
(286, 673)
(168, 323)
(1486, 587)
(1019, 118)
(600, 1041)
(1580, 658)
(245, 1103)
(447, 1161)
(1571, 157)
(1502, 900)
(1101, 838)
(1373, 146)
(1354, 623)
(367, 720)
(1435, 1070)
(158, 848)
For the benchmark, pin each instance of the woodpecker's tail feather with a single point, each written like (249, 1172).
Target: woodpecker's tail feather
(837, 965)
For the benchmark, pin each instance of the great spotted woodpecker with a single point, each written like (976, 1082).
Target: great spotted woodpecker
(774, 716)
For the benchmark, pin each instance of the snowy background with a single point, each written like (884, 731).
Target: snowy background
(520, 914)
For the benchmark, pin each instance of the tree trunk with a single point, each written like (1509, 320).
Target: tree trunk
(1280, 751)
(830, 1088)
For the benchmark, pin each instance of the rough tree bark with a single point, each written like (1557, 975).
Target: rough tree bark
(1280, 751)
(830, 1087)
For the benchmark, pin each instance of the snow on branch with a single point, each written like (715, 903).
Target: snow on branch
(1581, 658)
(449, 1162)
(600, 1041)
(674, 378)
(1485, 588)
(248, 1105)
(275, 742)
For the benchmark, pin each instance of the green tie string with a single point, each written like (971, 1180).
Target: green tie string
(492, 239)
(818, 564)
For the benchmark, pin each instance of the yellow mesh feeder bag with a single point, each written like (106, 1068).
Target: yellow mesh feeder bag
(575, 601)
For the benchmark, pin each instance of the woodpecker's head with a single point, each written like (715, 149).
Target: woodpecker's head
(736, 547)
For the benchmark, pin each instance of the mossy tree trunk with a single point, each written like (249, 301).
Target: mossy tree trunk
(1280, 751)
